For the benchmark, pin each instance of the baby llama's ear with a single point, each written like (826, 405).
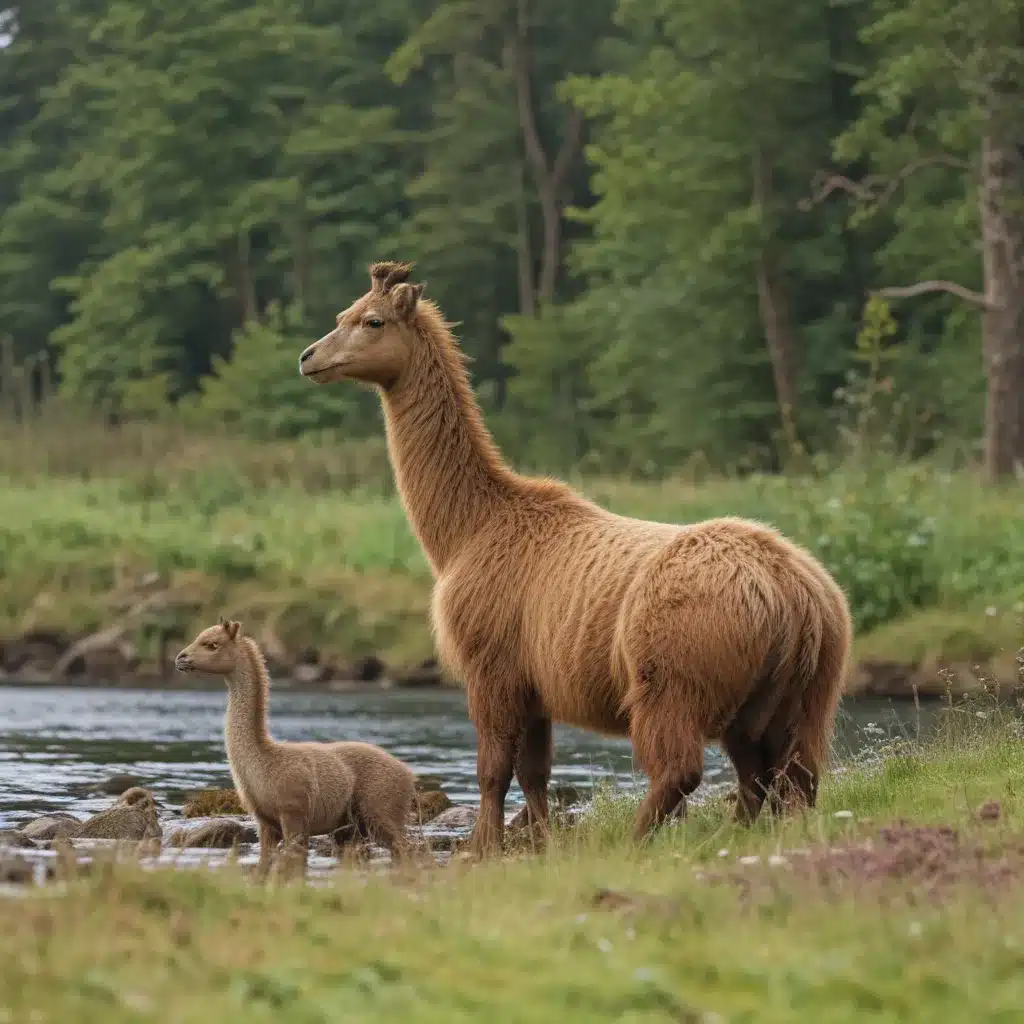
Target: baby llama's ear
(233, 628)
(404, 298)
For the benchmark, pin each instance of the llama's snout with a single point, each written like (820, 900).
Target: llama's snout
(306, 355)
(183, 662)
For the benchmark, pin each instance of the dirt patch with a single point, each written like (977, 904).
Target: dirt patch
(924, 859)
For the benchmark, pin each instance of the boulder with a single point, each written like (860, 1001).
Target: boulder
(459, 816)
(12, 839)
(15, 870)
(214, 835)
(56, 825)
(133, 817)
(206, 803)
(431, 804)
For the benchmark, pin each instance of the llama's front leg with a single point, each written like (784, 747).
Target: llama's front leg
(533, 769)
(498, 733)
(295, 848)
(270, 837)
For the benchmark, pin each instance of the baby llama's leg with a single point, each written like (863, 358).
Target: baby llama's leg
(533, 768)
(295, 849)
(270, 837)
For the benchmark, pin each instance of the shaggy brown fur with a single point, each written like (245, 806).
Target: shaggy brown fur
(551, 608)
(297, 790)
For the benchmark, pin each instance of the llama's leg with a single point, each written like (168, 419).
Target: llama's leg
(295, 847)
(498, 731)
(671, 752)
(533, 769)
(270, 837)
(795, 785)
(753, 774)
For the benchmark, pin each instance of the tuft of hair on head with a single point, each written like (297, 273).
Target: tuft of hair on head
(384, 276)
(231, 628)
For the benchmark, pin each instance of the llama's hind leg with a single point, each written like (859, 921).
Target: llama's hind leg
(671, 752)
(533, 770)
(270, 837)
(295, 847)
(753, 773)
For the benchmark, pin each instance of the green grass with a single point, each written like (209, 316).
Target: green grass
(529, 939)
(308, 542)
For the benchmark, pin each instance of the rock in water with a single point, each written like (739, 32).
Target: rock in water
(117, 785)
(15, 870)
(133, 818)
(52, 826)
(208, 802)
(214, 835)
(431, 804)
(12, 839)
(459, 816)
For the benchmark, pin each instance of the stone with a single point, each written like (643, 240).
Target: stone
(51, 826)
(206, 803)
(15, 870)
(133, 817)
(117, 785)
(367, 670)
(431, 804)
(307, 673)
(214, 835)
(459, 816)
(14, 840)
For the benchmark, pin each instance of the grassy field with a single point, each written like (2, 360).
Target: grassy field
(846, 915)
(307, 542)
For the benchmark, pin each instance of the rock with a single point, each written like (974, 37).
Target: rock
(133, 818)
(459, 816)
(214, 835)
(207, 803)
(428, 783)
(307, 673)
(427, 673)
(565, 794)
(12, 839)
(368, 669)
(51, 826)
(431, 804)
(117, 785)
(990, 810)
(15, 870)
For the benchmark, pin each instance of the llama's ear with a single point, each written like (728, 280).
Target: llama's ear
(404, 298)
(384, 276)
(232, 629)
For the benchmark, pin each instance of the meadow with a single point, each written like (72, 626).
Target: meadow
(898, 899)
(307, 541)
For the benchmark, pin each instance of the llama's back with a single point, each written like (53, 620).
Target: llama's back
(384, 787)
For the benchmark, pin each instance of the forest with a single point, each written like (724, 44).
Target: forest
(670, 232)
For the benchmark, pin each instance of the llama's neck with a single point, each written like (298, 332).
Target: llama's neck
(245, 725)
(449, 472)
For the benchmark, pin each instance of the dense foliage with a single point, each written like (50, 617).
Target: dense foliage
(658, 223)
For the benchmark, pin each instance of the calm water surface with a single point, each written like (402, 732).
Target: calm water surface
(55, 739)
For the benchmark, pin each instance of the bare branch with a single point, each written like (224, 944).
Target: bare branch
(931, 287)
(569, 149)
(876, 189)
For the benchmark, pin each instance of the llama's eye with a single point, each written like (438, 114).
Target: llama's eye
(210, 646)
(375, 323)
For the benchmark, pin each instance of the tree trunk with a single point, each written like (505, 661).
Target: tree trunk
(1002, 228)
(246, 287)
(549, 178)
(774, 305)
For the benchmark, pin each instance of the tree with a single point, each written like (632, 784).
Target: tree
(943, 119)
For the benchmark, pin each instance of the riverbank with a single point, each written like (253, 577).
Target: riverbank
(901, 897)
(116, 546)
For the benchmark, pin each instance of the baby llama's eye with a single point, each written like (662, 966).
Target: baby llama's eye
(210, 645)
(373, 322)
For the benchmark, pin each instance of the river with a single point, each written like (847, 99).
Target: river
(56, 741)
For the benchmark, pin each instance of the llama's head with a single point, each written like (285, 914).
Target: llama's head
(213, 651)
(373, 340)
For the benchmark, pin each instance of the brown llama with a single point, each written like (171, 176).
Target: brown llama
(549, 608)
(298, 790)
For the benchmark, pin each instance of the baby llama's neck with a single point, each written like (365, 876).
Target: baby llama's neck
(450, 475)
(245, 725)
